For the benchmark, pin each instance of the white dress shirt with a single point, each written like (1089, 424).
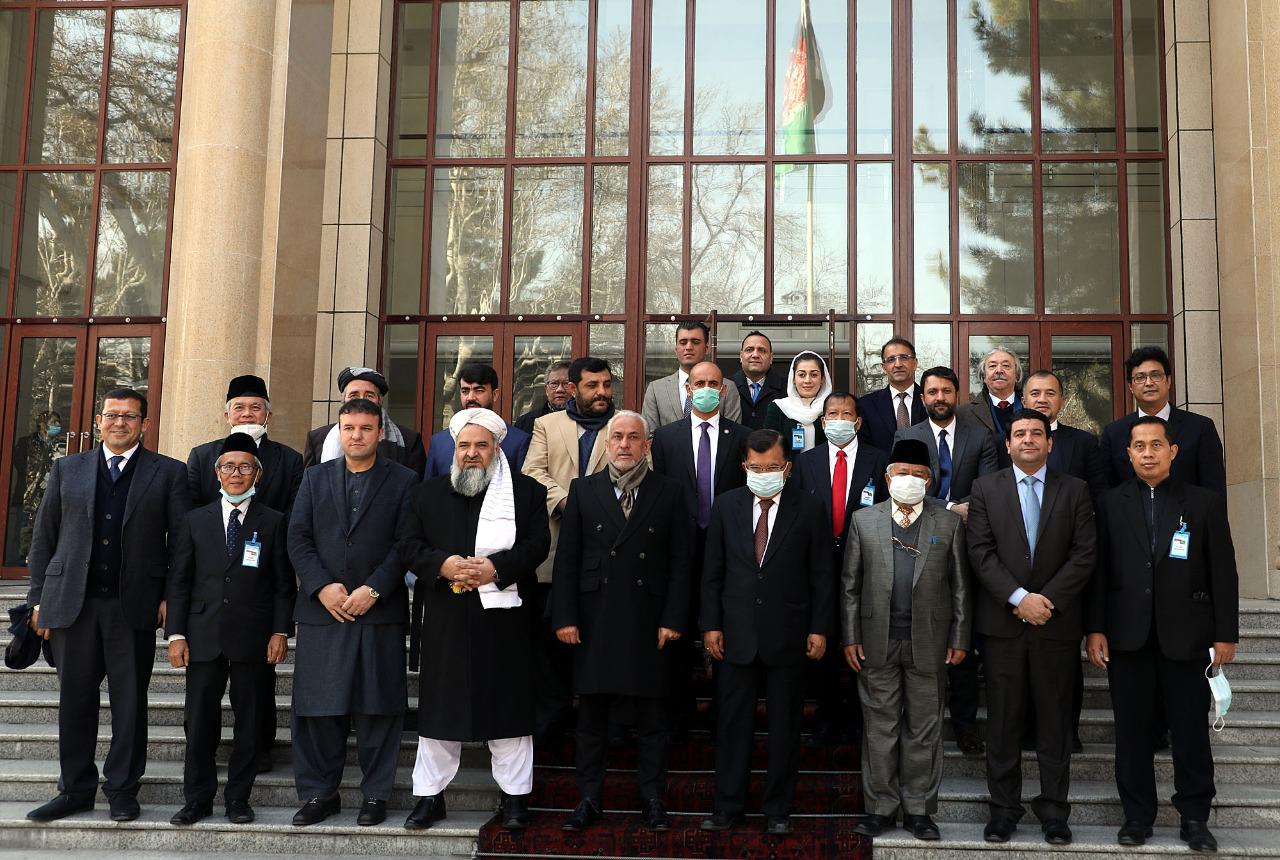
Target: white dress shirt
(1162, 414)
(696, 435)
(850, 452)
(916, 510)
(1018, 475)
(773, 515)
(128, 455)
(895, 397)
(1012, 399)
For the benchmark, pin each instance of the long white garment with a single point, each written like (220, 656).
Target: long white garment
(511, 760)
(496, 532)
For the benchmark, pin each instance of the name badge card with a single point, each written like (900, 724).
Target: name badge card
(868, 495)
(1181, 543)
(797, 438)
(252, 552)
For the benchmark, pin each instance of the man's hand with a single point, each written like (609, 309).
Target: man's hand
(277, 648)
(665, 635)
(358, 602)
(955, 656)
(458, 571)
(569, 635)
(179, 653)
(713, 641)
(855, 656)
(1034, 609)
(816, 646)
(564, 503)
(480, 570)
(42, 632)
(961, 508)
(1095, 646)
(162, 615)
(332, 597)
(1223, 652)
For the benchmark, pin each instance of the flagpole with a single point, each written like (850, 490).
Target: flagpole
(809, 240)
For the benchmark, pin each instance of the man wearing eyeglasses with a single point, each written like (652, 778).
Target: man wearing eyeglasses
(1199, 460)
(557, 388)
(898, 405)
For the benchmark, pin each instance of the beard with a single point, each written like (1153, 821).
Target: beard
(471, 481)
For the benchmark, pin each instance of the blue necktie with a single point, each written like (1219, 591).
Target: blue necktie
(704, 476)
(944, 466)
(688, 405)
(755, 392)
(233, 532)
(1030, 511)
(114, 468)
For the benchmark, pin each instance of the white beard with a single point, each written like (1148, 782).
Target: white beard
(473, 480)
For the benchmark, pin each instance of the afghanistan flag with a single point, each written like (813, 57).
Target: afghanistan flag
(804, 95)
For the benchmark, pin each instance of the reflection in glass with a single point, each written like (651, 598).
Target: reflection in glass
(929, 76)
(466, 240)
(608, 341)
(811, 239)
(452, 353)
(8, 216)
(993, 76)
(123, 362)
(981, 344)
(471, 92)
(726, 256)
(14, 27)
(1077, 76)
(932, 247)
(546, 240)
(142, 85)
(728, 77)
(54, 256)
(400, 365)
(46, 377)
(997, 257)
(1150, 334)
(1145, 181)
(666, 78)
(1142, 108)
(64, 93)
(871, 336)
(609, 239)
(613, 76)
(551, 78)
(830, 21)
(1081, 241)
(875, 238)
(132, 224)
(875, 75)
(664, 268)
(404, 240)
(531, 358)
(413, 81)
(933, 345)
(1084, 363)
(659, 354)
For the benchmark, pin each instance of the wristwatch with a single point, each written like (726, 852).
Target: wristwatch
(373, 593)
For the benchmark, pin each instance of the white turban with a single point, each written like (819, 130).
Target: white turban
(486, 418)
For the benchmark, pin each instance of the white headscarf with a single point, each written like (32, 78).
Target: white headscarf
(496, 530)
(798, 408)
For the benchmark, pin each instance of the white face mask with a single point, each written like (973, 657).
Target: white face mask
(257, 431)
(1221, 690)
(907, 489)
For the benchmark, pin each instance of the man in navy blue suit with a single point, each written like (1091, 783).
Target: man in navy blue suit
(477, 389)
(896, 406)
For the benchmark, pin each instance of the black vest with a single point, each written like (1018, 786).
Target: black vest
(108, 529)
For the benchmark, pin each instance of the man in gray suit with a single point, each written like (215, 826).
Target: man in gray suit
(666, 400)
(100, 558)
(904, 616)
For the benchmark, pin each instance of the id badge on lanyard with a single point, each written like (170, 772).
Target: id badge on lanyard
(868, 495)
(797, 438)
(1180, 546)
(252, 552)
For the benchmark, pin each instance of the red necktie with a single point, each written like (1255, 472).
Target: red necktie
(762, 530)
(839, 489)
(1003, 404)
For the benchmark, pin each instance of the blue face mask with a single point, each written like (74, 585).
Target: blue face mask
(839, 431)
(237, 499)
(705, 400)
(55, 429)
(1220, 687)
(766, 485)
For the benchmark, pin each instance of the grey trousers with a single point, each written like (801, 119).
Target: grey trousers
(320, 752)
(901, 734)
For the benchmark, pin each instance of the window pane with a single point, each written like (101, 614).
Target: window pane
(875, 75)
(143, 84)
(1077, 76)
(613, 76)
(932, 238)
(466, 240)
(929, 76)
(8, 217)
(546, 240)
(871, 336)
(14, 27)
(132, 224)
(812, 117)
(726, 258)
(609, 239)
(1081, 239)
(400, 364)
(1150, 334)
(1142, 109)
(875, 238)
(531, 358)
(981, 344)
(664, 268)
(728, 77)
(666, 78)
(659, 352)
(551, 78)
(404, 240)
(453, 352)
(608, 341)
(123, 362)
(413, 80)
(1146, 237)
(997, 260)
(54, 257)
(64, 97)
(993, 76)
(471, 93)
(811, 239)
(1085, 364)
(933, 345)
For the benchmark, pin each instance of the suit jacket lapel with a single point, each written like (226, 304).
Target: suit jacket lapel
(1133, 500)
(686, 449)
(85, 474)
(926, 532)
(1012, 495)
(213, 522)
(339, 493)
(959, 444)
(143, 471)
(884, 537)
(781, 524)
(269, 454)
(1052, 484)
(608, 501)
(377, 477)
(569, 438)
(1169, 519)
(724, 451)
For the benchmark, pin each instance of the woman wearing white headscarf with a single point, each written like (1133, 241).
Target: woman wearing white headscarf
(796, 415)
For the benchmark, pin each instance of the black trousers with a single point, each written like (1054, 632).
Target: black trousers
(100, 643)
(1016, 665)
(320, 752)
(964, 683)
(736, 693)
(830, 681)
(267, 739)
(1146, 686)
(252, 702)
(593, 739)
(1077, 704)
(553, 670)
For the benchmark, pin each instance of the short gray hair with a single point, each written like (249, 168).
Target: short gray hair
(227, 408)
(627, 413)
(1017, 363)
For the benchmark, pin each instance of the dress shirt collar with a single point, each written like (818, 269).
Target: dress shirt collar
(1038, 474)
(910, 391)
(128, 455)
(850, 451)
(1053, 426)
(227, 508)
(937, 428)
(1162, 414)
(1012, 399)
(916, 510)
(696, 422)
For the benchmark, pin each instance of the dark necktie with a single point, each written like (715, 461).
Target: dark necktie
(944, 465)
(904, 417)
(755, 392)
(688, 405)
(704, 476)
(115, 468)
(233, 532)
(839, 490)
(762, 530)
(1003, 404)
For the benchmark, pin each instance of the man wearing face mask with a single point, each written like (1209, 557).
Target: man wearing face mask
(845, 476)
(905, 616)
(768, 591)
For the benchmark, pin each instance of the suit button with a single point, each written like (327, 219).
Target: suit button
(228, 579)
(606, 580)
(348, 543)
(613, 552)
(1026, 555)
(106, 542)
(759, 602)
(642, 556)
(1148, 564)
(760, 576)
(1148, 591)
(108, 516)
(640, 582)
(652, 530)
(599, 527)
(228, 600)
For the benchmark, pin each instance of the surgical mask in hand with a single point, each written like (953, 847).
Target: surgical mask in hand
(839, 431)
(766, 485)
(705, 400)
(1220, 687)
(907, 489)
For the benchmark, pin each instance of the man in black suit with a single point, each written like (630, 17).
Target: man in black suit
(993, 406)
(619, 596)
(1166, 593)
(399, 444)
(768, 600)
(757, 386)
(351, 612)
(557, 390)
(100, 557)
(845, 475)
(1032, 549)
(898, 405)
(230, 608)
(1199, 459)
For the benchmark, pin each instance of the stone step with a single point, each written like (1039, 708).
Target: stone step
(164, 679)
(1243, 764)
(202, 854)
(1260, 641)
(1244, 728)
(1246, 667)
(1259, 614)
(1247, 695)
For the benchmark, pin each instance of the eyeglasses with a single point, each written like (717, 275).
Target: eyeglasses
(127, 417)
(765, 470)
(231, 469)
(1154, 376)
(896, 359)
(906, 547)
(551, 384)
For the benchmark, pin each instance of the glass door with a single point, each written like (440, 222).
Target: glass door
(977, 339)
(1089, 359)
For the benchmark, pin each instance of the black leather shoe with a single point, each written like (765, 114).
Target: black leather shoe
(427, 812)
(124, 807)
(655, 816)
(970, 742)
(999, 830)
(720, 821)
(240, 812)
(1056, 832)
(1196, 834)
(921, 827)
(778, 825)
(317, 809)
(191, 813)
(515, 811)
(372, 813)
(60, 807)
(583, 816)
(873, 825)
(1133, 834)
